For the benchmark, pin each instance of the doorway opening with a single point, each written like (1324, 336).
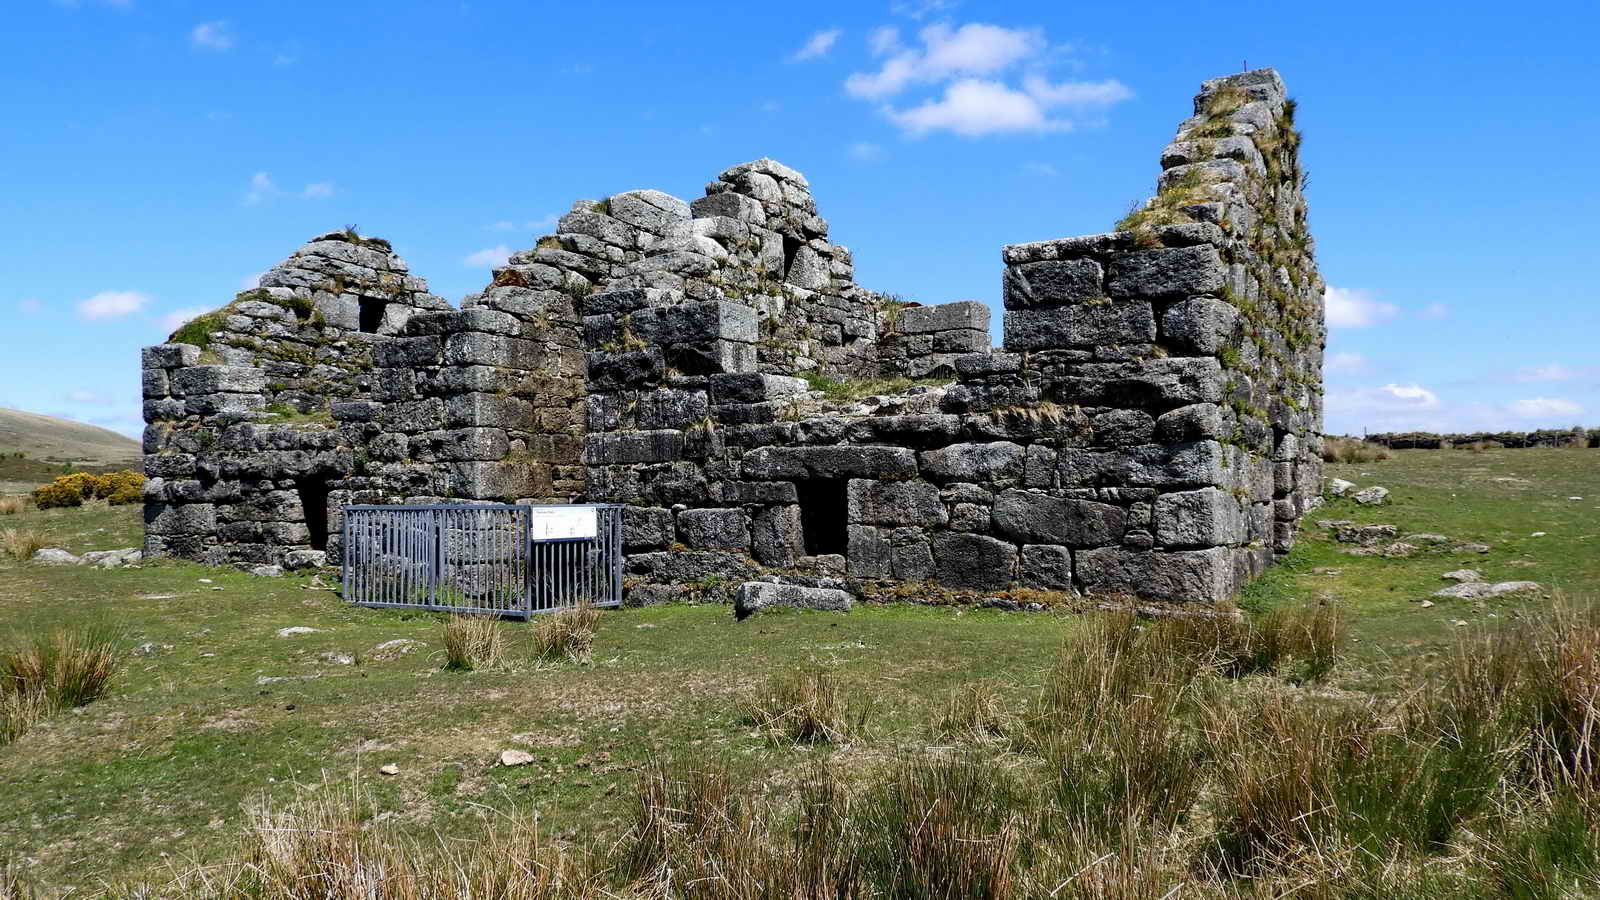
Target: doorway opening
(824, 515)
(314, 502)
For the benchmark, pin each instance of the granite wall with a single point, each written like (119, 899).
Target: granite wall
(1150, 427)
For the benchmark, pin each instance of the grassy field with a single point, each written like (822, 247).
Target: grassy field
(213, 712)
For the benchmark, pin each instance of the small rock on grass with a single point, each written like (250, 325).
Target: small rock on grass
(1338, 487)
(1427, 604)
(515, 757)
(396, 648)
(293, 630)
(1463, 575)
(267, 571)
(1473, 590)
(54, 556)
(337, 659)
(389, 769)
(1372, 496)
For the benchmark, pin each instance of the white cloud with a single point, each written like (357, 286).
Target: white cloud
(539, 224)
(1346, 364)
(973, 108)
(251, 282)
(1547, 408)
(1076, 93)
(884, 40)
(212, 36)
(977, 99)
(921, 10)
(1356, 308)
(973, 49)
(1042, 169)
(112, 305)
(818, 46)
(261, 187)
(30, 305)
(174, 320)
(862, 151)
(91, 398)
(1436, 312)
(1548, 372)
(489, 257)
(318, 190)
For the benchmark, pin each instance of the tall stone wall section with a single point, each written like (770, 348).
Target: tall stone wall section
(1150, 427)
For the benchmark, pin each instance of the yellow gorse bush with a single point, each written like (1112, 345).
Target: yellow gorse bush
(116, 488)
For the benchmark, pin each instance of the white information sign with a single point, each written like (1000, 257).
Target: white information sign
(559, 523)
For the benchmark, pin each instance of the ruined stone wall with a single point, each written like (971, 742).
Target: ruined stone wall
(1150, 427)
(240, 428)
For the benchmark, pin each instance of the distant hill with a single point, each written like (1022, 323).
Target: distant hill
(56, 442)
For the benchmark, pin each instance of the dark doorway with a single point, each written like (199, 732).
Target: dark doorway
(824, 515)
(791, 249)
(314, 502)
(371, 314)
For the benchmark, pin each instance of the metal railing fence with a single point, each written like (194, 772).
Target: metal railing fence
(503, 560)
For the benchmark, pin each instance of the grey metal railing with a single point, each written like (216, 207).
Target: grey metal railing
(504, 560)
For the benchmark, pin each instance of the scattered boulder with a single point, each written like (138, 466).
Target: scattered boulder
(1468, 547)
(1473, 590)
(515, 757)
(267, 571)
(1399, 550)
(1363, 534)
(1338, 487)
(1466, 590)
(755, 596)
(111, 559)
(1372, 496)
(1460, 575)
(396, 648)
(55, 556)
(389, 769)
(1426, 538)
(1427, 604)
(295, 560)
(337, 659)
(293, 630)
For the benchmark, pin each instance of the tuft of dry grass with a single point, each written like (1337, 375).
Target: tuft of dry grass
(67, 668)
(976, 711)
(568, 633)
(807, 706)
(21, 543)
(1350, 450)
(321, 847)
(473, 642)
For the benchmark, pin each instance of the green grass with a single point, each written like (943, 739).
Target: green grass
(859, 388)
(189, 735)
(1497, 497)
(219, 712)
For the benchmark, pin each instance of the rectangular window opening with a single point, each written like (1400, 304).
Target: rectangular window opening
(371, 314)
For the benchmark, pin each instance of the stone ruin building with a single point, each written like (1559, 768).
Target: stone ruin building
(1150, 426)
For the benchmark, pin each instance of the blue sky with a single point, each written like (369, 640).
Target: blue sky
(157, 155)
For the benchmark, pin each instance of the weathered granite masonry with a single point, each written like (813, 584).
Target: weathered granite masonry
(1151, 425)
